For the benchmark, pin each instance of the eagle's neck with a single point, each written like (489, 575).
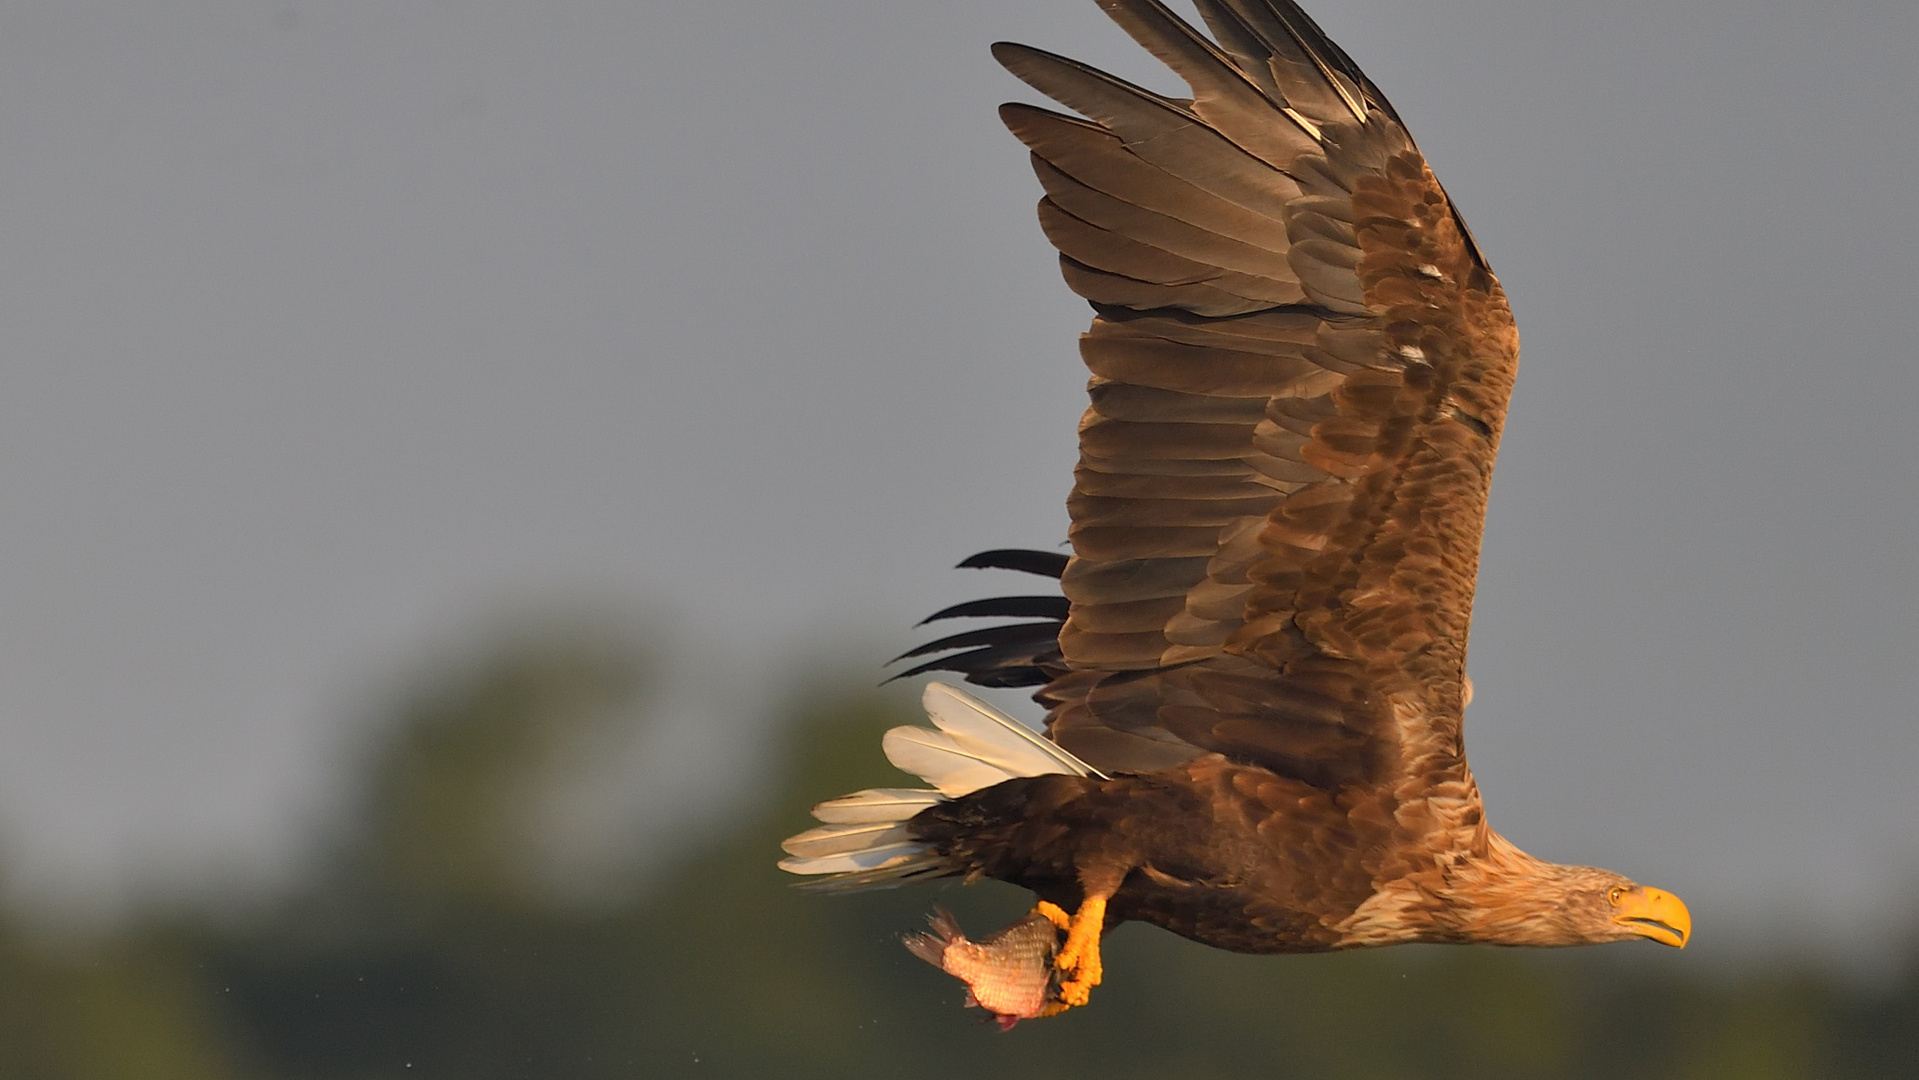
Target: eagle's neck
(1478, 887)
(1502, 896)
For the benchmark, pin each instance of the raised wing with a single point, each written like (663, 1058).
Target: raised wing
(1300, 369)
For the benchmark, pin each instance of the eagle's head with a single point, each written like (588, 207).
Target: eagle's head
(1599, 905)
(1647, 912)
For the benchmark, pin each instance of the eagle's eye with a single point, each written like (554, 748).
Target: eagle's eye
(1617, 892)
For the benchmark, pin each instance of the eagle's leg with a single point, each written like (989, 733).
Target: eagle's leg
(1078, 959)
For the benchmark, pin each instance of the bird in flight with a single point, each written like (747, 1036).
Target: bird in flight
(1255, 681)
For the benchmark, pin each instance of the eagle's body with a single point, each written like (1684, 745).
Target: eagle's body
(1240, 858)
(1300, 368)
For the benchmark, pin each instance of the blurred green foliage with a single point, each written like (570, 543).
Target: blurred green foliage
(424, 948)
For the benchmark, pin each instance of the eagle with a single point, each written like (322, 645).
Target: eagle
(1255, 680)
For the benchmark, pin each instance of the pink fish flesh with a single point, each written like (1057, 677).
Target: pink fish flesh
(1008, 973)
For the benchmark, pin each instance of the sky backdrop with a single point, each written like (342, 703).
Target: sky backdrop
(331, 332)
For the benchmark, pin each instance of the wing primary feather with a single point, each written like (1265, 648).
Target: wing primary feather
(1009, 634)
(1238, 39)
(1292, 34)
(1020, 664)
(1044, 563)
(1031, 65)
(1221, 90)
(1012, 607)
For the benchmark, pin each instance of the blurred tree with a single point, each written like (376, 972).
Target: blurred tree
(118, 1009)
(452, 792)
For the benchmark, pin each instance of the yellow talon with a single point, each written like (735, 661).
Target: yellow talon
(1078, 959)
(1054, 914)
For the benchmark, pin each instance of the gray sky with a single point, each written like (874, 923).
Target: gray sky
(329, 329)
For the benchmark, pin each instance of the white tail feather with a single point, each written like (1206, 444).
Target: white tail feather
(864, 842)
(875, 804)
(884, 857)
(840, 839)
(972, 721)
(952, 766)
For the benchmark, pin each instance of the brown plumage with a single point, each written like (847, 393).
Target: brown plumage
(1300, 370)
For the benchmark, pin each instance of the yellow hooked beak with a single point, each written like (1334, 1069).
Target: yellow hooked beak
(1653, 913)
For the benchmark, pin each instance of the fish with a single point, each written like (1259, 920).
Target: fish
(1009, 972)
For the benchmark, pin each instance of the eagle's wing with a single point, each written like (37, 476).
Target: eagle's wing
(1300, 369)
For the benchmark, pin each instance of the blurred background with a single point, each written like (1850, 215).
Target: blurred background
(463, 465)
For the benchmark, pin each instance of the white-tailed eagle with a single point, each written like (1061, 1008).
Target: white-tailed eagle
(1254, 684)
